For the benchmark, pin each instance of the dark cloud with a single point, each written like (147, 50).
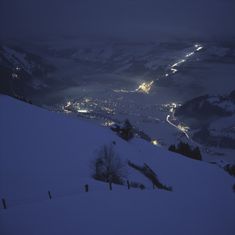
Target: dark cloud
(123, 18)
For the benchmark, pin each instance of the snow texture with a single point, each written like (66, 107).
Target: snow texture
(41, 151)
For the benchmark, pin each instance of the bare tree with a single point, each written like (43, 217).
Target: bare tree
(108, 166)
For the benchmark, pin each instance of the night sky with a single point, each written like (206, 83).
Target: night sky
(123, 18)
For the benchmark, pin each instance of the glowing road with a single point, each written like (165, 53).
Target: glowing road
(179, 127)
(145, 87)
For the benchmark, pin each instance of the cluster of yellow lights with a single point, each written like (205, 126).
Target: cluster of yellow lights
(154, 142)
(145, 87)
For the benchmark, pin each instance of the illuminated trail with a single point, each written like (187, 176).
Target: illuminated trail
(173, 68)
(179, 127)
(146, 86)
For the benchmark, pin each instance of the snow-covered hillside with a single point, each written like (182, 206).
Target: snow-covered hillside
(211, 119)
(41, 151)
(22, 71)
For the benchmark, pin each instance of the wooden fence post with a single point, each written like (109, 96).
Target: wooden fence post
(4, 203)
(110, 186)
(86, 188)
(49, 194)
(128, 184)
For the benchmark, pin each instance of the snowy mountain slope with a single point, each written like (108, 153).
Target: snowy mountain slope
(41, 151)
(211, 119)
(19, 58)
(22, 71)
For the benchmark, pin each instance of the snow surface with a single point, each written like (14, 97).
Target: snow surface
(41, 151)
